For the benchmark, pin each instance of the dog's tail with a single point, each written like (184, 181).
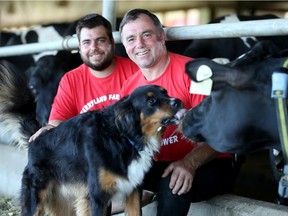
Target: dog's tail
(17, 107)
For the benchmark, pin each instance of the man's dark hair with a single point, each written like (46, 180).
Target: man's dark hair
(135, 13)
(91, 21)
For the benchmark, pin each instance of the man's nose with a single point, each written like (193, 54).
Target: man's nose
(140, 42)
(94, 45)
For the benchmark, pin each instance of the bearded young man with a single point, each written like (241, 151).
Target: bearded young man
(97, 82)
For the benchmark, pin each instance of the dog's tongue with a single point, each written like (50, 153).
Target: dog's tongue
(180, 113)
(175, 119)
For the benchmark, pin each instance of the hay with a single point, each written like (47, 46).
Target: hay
(8, 207)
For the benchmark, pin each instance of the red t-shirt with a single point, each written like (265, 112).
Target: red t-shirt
(177, 83)
(80, 91)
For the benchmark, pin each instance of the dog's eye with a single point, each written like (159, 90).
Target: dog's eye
(151, 101)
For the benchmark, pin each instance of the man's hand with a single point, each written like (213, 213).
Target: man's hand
(41, 130)
(51, 124)
(181, 177)
(183, 171)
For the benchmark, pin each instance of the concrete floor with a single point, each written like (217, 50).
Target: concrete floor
(256, 178)
(254, 185)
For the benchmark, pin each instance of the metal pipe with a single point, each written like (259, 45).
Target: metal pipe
(269, 27)
(68, 43)
(109, 11)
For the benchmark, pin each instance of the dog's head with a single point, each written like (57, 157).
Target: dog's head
(148, 106)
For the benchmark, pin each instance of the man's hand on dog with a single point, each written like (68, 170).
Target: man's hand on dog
(50, 125)
(41, 130)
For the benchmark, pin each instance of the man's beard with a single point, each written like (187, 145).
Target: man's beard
(99, 66)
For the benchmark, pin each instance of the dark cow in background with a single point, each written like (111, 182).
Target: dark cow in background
(48, 67)
(239, 116)
(44, 77)
(43, 70)
(231, 48)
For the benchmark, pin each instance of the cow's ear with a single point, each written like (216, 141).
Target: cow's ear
(126, 116)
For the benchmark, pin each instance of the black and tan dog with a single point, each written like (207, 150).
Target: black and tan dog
(78, 167)
(97, 156)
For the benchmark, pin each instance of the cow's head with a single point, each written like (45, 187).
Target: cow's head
(239, 116)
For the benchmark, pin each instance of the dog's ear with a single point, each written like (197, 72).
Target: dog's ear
(126, 116)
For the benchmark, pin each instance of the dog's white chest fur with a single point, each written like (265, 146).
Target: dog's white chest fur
(137, 169)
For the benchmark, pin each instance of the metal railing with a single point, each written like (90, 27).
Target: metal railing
(269, 27)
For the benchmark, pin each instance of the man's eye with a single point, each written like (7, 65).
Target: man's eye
(130, 40)
(101, 41)
(147, 35)
(85, 42)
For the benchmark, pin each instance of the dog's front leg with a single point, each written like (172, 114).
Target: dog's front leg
(99, 203)
(133, 204)
(98, 209)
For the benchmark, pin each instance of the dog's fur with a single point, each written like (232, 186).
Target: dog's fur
(92, 158)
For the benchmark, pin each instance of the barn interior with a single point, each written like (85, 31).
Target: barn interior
(25, 13)
(256, 178)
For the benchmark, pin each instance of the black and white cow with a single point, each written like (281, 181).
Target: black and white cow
(22, 62)
(35, 34)
(239, 115)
